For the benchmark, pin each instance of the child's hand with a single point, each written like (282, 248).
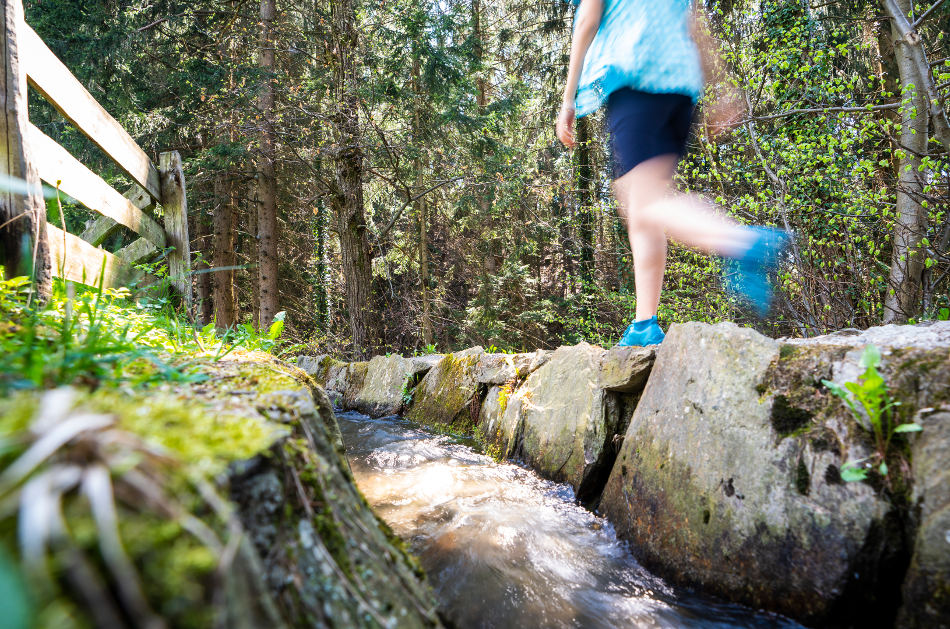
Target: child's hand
(565, 125)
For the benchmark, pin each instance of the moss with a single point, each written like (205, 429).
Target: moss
(802, 478)
(824, 439)
(200, 427)
(787, 351)
(447, 394)
(487, 447)
(787, 419)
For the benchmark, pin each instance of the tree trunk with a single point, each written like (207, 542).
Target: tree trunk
(24, 249)
(347, 202)
(323, 280)
(267, 180)
(420, 203)
(204, 306)
(223, 230)
(903, 300)
(254, 256)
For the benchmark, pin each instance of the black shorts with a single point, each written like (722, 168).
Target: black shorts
(643, 125)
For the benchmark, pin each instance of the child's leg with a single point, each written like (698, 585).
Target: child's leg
(653, 212)
(635, 192)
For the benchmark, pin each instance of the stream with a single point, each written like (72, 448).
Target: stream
(505, 548)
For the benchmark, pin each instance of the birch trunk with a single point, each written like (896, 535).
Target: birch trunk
(903, 299)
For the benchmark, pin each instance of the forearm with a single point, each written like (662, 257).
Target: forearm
(586, 22)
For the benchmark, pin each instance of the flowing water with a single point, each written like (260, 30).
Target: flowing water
(505, 548)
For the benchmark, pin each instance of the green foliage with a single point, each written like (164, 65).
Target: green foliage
(86, 337)
(873, 409)
(101, 336)
(407, 392)
(247, 337)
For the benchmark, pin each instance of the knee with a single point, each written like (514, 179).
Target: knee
(641, 217)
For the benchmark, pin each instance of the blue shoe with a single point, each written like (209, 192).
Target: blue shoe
(749, 277)
(642, 333)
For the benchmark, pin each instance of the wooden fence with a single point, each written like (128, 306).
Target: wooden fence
(78, 258)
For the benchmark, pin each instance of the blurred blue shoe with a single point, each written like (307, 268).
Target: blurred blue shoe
(749, 277)
(642, 333)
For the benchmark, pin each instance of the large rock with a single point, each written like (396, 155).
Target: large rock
(448, 395)
(927, 586)
(729, 475)
(626, 369)
(504, 368)
(388, 383)
(295, 546)
(329, 373)
(328, 559)
(563, 420)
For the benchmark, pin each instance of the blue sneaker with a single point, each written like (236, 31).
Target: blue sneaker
(641, 333)
(749, 277)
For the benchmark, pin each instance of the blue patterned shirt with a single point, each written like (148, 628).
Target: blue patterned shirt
(644, 45)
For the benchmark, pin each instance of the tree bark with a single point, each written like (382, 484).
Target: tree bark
(347, 202)
(24, 249)
(224, 259)
(323, 280)
(903, 300)
(267, 180)
(204, 304)
(420, 203)
(916, 64)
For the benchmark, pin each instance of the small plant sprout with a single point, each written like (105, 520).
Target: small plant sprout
(873, 410)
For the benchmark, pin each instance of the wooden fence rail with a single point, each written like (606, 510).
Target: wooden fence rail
(72, 257)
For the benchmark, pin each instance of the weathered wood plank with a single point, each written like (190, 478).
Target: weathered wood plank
(23, 236)
(140, 198)
(76, 260)
(57, 84)
(138, 251)
(175, 205)
(98, 230)
(57, 165)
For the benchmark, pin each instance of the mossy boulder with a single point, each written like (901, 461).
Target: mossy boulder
(389, 383)
(296, 546)
(563, 421)
(729, 474)
(350, 380)
(448, 395)
(328, 372)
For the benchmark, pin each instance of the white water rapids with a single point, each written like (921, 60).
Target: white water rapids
(504, 548)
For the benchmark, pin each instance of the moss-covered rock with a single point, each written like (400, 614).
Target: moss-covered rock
(562, 420)
(389, 382)
(729, 475)
(302, 549)
(448, 395)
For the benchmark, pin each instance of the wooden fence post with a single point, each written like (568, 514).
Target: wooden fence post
(23, 241)
(175, 206)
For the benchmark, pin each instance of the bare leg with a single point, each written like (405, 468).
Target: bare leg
(655, 212)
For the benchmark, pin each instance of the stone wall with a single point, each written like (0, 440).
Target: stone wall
(722, 465)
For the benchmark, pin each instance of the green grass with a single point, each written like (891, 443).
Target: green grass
(94, 337)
